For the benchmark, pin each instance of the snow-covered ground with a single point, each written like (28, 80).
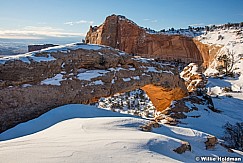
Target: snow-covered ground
(228, 39)
(79, 133)
(228, 91)
(27, 57)
(184, 32)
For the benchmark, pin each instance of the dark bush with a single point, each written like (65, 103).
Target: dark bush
(234, 135)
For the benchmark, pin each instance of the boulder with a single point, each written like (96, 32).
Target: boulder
(211, 142)
(185, 146)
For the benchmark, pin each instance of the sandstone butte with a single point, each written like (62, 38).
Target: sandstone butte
(121, 33)
(34, 83)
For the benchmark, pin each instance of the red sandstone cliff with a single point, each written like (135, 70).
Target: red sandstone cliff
(121, 33)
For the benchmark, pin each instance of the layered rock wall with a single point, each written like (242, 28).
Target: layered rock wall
(121, 33)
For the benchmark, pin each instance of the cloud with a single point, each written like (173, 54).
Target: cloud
(69, 23)
(79, 22)
(154, 21)
(146, 19)
(34, 32)
(197, 24)
(151, 20)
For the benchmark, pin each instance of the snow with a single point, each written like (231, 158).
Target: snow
(98, 82)
(211, 122)
(79, 133)
(116, 69)
(184, 32)
(122, 53)
(26, 58)
(26, 85)
(210, 71)
(136, 77)
(90, 74)
(141, 59)
(126, 79)
(44, 59)
(54, 80)
(72, 46)
(232, 41)
(62, 48)
(168, 72)
(151, 69)
(132, 69)
(113, 81)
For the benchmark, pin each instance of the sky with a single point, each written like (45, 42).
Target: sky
(70, 19)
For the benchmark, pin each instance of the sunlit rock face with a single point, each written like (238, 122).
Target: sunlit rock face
(36, 82)
(121, 33)
(207, 51)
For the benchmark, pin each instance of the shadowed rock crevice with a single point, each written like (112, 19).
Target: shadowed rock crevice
(31, 87)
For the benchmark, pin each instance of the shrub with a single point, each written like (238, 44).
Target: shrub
(227, 89)
(234, 135)
(227, 61)
(228, 95)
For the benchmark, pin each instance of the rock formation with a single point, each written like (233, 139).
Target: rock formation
(32, 48)
(181, 108)
(185, 146)
(211, 142)
(121, 33)
(194, 78)
(33, 83)
(207, 51)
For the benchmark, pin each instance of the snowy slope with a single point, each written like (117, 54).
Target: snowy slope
(79, 133)
(228, 90)
(231, 39)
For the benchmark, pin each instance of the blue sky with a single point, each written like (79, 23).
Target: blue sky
(35, 19)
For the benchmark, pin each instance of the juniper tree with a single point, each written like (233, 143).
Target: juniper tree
(227, 60)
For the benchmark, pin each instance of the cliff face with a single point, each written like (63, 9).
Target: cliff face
(207, 51)
(36, 82)
(121, 33)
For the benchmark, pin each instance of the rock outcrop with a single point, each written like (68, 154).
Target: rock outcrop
(211, 142)
(121, 33)
(185, 146)
(207, 51)
(194, 78)
(32, 48)
(34, 83)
